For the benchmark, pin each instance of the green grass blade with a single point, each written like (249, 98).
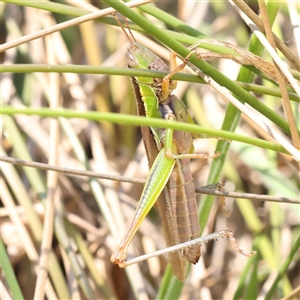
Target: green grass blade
(9, 273)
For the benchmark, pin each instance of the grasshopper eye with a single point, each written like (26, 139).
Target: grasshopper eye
(131, 60)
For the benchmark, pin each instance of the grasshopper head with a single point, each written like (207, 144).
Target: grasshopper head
(138, 56)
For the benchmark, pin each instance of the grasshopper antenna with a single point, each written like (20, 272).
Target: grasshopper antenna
(129, 37)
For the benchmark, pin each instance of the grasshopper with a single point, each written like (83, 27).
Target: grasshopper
(169, 152)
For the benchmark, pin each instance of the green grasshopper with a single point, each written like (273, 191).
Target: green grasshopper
(169, 152)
